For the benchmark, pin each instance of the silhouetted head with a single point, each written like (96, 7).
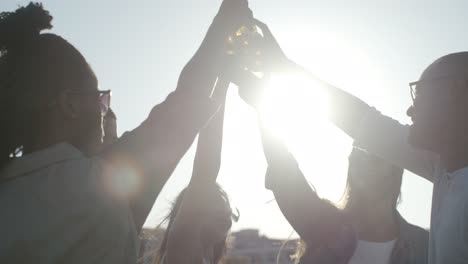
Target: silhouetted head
(218, 220)
(440, 104)
(49, 94)
(371, 180)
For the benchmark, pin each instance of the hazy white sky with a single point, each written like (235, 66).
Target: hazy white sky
(370, 48)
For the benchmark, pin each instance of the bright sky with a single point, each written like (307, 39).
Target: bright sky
(370, 48)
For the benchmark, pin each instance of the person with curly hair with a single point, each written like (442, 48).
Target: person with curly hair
(59, 189)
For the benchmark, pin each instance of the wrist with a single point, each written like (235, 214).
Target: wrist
(214, 44)
(220, 29)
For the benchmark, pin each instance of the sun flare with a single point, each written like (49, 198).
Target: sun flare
(294, 107)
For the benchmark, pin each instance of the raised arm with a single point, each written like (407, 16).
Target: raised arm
(185, 239)
(371, 130)
(152, 151)
(376, 133)
(311, 216)
(207, 161)
(149, 154)
(307, 213)
(204, 67)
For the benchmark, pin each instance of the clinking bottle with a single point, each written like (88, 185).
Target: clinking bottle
(246, 46)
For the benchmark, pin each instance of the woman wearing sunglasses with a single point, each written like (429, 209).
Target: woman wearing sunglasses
(61, 196)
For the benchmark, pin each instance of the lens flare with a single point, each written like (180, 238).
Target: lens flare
(123, 180)
(294, 106)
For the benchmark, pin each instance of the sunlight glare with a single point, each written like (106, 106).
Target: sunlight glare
(123, 179)
(294, 107)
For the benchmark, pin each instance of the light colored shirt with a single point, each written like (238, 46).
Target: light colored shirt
(58, 206)
(372, 252)
(385, 137)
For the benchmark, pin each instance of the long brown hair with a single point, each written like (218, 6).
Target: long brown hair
(349, 198)
(347, 202)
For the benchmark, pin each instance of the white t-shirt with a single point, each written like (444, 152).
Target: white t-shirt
(372, 252)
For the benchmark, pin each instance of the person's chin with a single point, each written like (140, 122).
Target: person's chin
(95, 146)
(413, 139)
(419, 140)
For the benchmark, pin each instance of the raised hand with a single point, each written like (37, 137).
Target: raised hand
(233, 14)
(251, 87)
(274, 59)
(199, 75)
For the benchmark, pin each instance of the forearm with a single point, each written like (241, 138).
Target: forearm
(374, 132)
(289, 185)
(297, 200)
(207, 160)
(346, 111)
(200, 73)
(152, 151)
(305, 211)
(185, 234)
(167, 133)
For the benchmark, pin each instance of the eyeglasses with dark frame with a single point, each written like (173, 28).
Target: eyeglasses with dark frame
(414, 85)
(104, 99)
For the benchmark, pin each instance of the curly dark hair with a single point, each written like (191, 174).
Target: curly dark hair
(19, 27)
(34, 66)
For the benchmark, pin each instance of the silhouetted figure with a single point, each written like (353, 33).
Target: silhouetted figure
(435, 146)
(368, 229)
(208, 213)
(63, 200)
(206, 241)
(200, 218)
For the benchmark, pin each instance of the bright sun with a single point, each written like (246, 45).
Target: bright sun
(295, 107)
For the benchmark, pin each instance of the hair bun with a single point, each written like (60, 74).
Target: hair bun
(19, 27)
